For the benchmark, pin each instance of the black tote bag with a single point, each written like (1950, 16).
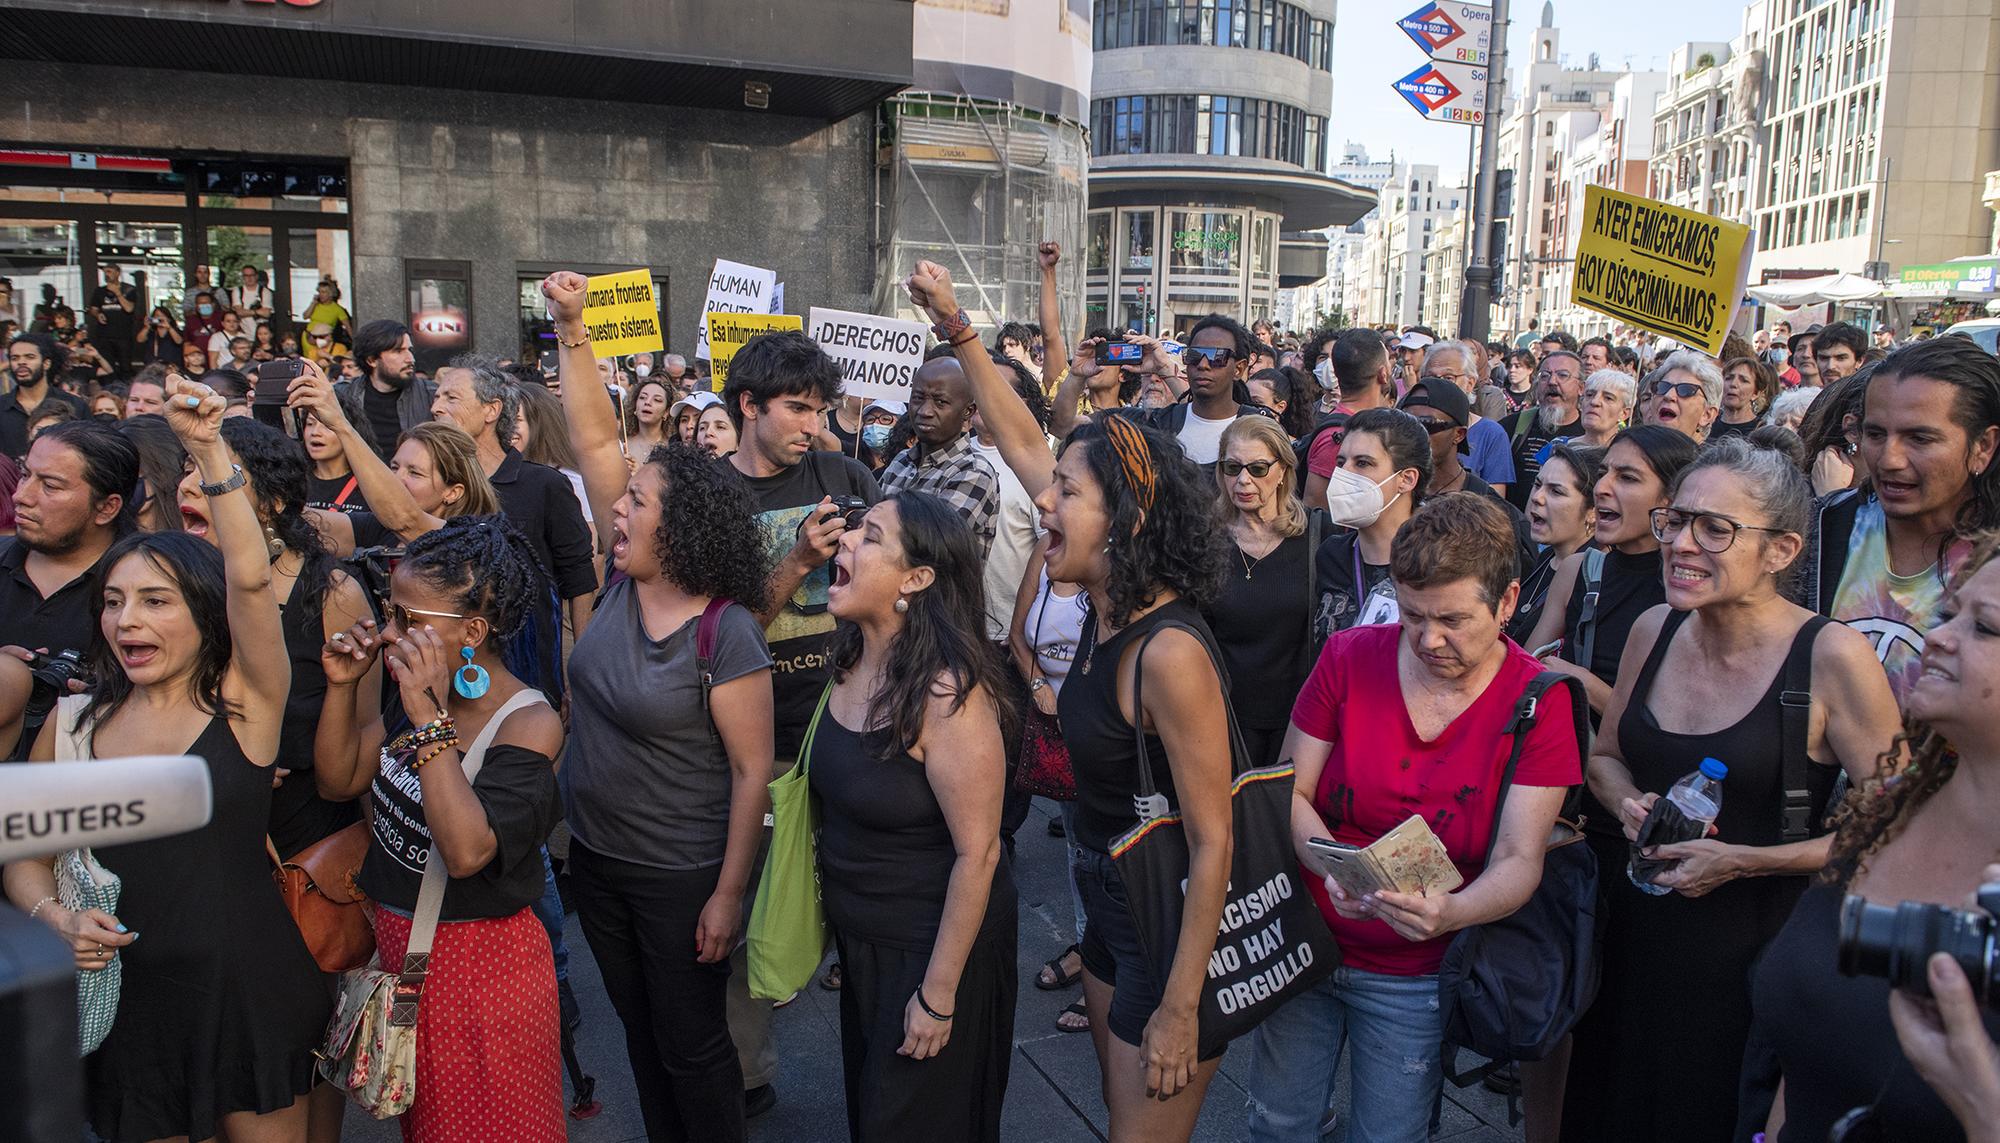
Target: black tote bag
(1272, 944)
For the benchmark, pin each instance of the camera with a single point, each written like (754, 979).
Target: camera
(375, 566)
(850, 509)
(52, 675)
(1897, 941)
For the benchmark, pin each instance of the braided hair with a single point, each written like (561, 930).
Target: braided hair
(485, 565)
(277, 468)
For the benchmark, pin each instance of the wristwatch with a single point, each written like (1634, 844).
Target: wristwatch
(234, 481)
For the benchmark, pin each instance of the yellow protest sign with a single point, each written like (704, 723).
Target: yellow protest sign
(622, 315)
(1664, 269)
(728, 332)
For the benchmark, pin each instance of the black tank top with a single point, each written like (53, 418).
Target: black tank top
(1101, 746)
(299, 816)
(1630, 586)
(885, 851)
(1753, 796)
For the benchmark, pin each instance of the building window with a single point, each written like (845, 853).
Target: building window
(1208, 125)
(1262, 25)
(1206, 242)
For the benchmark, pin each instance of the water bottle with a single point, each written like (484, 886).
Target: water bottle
(1683, 815)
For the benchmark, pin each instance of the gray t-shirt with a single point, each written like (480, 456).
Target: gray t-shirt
(644, 778)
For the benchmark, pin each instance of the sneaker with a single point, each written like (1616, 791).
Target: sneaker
(777, 1004)
(759, 1100)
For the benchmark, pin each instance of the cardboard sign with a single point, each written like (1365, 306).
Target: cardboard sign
(1448, 30)
(725, 333)
(621, 314)
(1446, 92)
(1671, 271)
(734, 288)
(878, 356)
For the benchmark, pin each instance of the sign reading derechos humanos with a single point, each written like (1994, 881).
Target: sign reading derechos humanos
(878, 356)
(1671, 271)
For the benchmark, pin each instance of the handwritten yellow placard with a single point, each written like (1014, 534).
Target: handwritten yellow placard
(729, 332)
(1659, 267)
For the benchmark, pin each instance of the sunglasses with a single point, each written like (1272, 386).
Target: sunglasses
(1437, 424)
(1681, 389)
(1258, 468)
(399, 616)
(1215, 357)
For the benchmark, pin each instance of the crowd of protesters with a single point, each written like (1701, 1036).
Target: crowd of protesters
(502, 620)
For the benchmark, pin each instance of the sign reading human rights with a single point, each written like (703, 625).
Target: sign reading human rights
(735, 288)
(878, 356)
(725, 333)
(622, 314)
(1671, 271)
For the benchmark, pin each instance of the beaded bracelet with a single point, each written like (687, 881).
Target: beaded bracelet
(436, 730)
(38, 906)
(433, 752)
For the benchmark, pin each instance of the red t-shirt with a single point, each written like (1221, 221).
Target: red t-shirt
(1380, 772)
(1324, 455)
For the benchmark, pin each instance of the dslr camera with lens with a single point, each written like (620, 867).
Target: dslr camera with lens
(1896, 942)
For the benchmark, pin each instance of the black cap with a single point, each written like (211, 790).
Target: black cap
(1443, 395)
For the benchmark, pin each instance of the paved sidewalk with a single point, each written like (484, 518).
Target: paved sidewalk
(1052, 1096)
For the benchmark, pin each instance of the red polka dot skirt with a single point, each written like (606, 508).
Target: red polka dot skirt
(489, 1038)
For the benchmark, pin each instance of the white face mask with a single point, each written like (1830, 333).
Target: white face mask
(1324, 373)
(643, 369)
(1354, 501)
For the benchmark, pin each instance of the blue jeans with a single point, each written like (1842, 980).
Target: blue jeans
(549, 912)
(1393, 1026)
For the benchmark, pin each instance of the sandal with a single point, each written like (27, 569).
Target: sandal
(831, 979)
(1052, 978)
(1082, 1023)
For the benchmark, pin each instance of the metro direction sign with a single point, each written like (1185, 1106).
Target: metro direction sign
(1446, 92)
(1451, 31)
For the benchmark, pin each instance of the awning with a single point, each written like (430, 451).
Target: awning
(1793, 293)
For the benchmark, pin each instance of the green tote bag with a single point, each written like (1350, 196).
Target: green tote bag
(788, 932)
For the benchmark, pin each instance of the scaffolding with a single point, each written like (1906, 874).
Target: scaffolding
(976, 186)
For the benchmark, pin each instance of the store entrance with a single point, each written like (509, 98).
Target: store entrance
(194, 238)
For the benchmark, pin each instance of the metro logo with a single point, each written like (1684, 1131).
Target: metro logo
(1429, 88)
(1432, 27)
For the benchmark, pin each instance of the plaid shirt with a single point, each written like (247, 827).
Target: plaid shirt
(956, 474)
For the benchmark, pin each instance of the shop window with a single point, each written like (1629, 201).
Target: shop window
(439, 313)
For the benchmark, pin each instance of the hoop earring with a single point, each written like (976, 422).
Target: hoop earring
(471, 680)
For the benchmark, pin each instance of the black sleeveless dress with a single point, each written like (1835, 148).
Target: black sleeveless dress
(1659, 1055)
(299, 816)
(221, 1005)
(886, 856)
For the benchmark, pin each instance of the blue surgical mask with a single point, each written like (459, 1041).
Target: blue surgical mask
(875, 436)
(204, 310)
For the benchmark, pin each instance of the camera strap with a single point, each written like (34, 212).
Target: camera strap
(1794, 729)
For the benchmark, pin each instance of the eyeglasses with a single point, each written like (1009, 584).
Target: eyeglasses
(1258, 468)
(1215, 357)
(1681, 389)
(1712, 533)
(399, 615)
(1554, 374)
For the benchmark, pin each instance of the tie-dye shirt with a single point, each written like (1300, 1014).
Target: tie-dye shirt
(1894, 611)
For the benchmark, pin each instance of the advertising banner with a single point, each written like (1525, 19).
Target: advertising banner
(1671, 271)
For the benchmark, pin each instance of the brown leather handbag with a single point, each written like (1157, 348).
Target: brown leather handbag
(318, 886)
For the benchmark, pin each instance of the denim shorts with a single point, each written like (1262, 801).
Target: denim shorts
(1111, 949)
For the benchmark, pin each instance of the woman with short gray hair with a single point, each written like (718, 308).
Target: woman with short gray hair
(1687, 394)
(1605, 406)
(1728, 649)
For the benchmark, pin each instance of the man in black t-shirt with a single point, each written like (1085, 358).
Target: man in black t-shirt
(1559, 381)
(113, 319)
(1444, 410)
(393, 397)
(35, 361)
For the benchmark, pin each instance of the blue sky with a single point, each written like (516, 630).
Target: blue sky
(1370, 53)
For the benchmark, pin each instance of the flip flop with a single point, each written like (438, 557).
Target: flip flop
(1076, 1009)
(1062, 980)
(831, 978)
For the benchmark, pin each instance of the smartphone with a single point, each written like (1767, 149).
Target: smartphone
(1119, 353)
(274, 380)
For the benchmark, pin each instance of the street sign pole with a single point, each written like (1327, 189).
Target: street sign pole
(1475, 310)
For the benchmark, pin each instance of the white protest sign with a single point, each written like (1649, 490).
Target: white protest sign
(878, 356)
(736, 289)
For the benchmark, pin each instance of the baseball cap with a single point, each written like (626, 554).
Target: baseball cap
(1414, 340)
(698, 400)
(893, 408)
(1444, 396)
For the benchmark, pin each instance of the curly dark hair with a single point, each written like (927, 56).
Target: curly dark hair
(485, 565)
(277, 469)
(943, 632)
(709, 541)
(1026, 385)
(196, 568)
(1176, 545)
(1915, 767)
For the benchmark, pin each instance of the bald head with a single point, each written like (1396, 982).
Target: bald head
(940, 403)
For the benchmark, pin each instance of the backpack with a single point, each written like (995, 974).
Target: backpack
(1334, 422)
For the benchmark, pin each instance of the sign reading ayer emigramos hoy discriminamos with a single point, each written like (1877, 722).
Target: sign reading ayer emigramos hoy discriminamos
(621, 314)
(878, 356)
(1671, 271)
(735, 288)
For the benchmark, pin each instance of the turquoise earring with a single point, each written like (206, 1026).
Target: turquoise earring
(471, 680)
